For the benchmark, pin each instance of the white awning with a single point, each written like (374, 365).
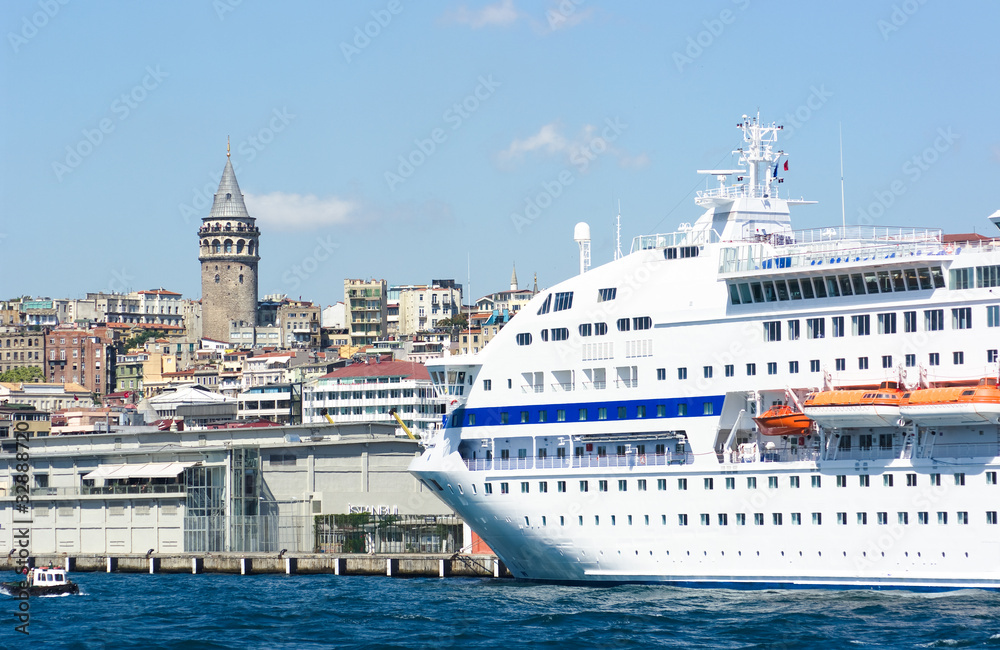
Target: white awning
(146, 470)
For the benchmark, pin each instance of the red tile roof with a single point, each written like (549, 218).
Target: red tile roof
(161, 292)
(405, 369)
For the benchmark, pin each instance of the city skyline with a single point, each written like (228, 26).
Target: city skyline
(391, 141)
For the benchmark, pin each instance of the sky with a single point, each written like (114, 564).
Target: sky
(412, 142)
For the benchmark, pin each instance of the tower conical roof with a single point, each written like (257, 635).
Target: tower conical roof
(513, 278)
(228, 203)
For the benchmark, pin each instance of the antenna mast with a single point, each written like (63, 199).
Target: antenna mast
(843, 210)
(618, 232)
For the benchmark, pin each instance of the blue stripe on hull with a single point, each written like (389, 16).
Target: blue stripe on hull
(490, 416)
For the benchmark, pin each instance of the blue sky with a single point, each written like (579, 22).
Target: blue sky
(408, 141)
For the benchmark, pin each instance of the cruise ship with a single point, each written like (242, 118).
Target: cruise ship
(740, 403)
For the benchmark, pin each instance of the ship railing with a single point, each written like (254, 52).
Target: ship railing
(566, 387)
(84, 490)
(775, 456)
(857, 453)
(959, 450)
(732, 192)
(533, 388)
(834, 255)
(578, 462)
(882, 234)
(671, 239)
(594, 385)
(627, 383)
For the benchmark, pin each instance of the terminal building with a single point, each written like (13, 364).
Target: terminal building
(209, 490)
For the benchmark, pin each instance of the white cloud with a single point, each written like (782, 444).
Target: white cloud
(283, 211)
(547, 139)
(500, 14)
(592, 142)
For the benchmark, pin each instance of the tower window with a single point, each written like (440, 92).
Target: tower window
(217, 278)
(241, 278)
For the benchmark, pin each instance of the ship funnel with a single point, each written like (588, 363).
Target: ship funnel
(581, 234)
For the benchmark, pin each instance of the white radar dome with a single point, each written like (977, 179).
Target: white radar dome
(581, 232)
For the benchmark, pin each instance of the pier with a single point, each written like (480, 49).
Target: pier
(395, 566)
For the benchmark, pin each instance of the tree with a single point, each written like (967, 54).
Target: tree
(138, 340)
(26, 374)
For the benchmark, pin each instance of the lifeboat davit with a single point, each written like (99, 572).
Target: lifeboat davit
(868, 407)
(782, 420)
(954, 405)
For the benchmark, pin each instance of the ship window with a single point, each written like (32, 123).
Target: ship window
(912, 284)
(815, 328)
(838, 326)
(991, 355)
(708, 408)
(958, 358)
(707, 371)
(961, 318)
(600, 329)
(582, 414)
(682, 484)
(705, 519)
(758, 519)
(769, 293)
(841, 478)
(641, 486)
(622, 413)
(488, 488)
(602, 413)
(960, 478)
(584, 486)
(817, 481)
(942, 518)
(884, 282)
(962, 517)
(504, 488)
(781, 289)
(604, 295)
(602, 486)
(682, 520)
(772, 482)
(682, 410)
(776, 518)
(871, 283)
(751, 482)
(622, 485)
(709, 484)
(545, 335)
(797, 521)
(807, 289)
(817, 518)
(991, 478)
(682, 373)
(546, 305)
(862, 363)
(661, 484)
(993, 316)
(832, 288)
(758, 293)
(772, 367)
(560, 334)
(751, 369)
(924, 275)
(887, 480)
(845, 285)
(863, 518)
(723, 519)
(730, 370)
(861, 325)
(741, 519)
(793, 290)
(858, 283)
(793, 481)
(564, 301)
(903, 517)
(524, 487)
(730, 483)
(819, 286)
(623, 324)
(898, 280)
(934, 359)
(586, 329)
(642, 323)
(504, 418)
(745, 296)
(883, 518)
(661, 410)
(772, 330)
(524, 338)
(991, 517)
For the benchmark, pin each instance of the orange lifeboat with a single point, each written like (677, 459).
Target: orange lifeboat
(954, 405)
(782, 420)
(867, 407)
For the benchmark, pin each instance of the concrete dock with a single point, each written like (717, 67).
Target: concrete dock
(402, 566)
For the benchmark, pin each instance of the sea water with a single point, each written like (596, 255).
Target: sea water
(276, 611)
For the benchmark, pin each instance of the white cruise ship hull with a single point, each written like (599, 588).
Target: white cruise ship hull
(606, 433)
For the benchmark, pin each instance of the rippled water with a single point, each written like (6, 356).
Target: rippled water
(221, 611)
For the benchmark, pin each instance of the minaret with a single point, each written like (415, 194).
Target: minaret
(228, 254)
(513, 279)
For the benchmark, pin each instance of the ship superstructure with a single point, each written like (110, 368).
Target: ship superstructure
(608, 432)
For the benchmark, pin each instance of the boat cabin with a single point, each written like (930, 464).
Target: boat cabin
(47, 577)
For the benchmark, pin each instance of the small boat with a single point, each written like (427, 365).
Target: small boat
(46, 581)
(867, 407)
(954, 405)
(783, 420)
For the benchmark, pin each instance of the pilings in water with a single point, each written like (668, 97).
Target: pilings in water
(401, 566)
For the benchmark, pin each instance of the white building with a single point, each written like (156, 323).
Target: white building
(367, 392)
(421, 306)
(216, 490)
